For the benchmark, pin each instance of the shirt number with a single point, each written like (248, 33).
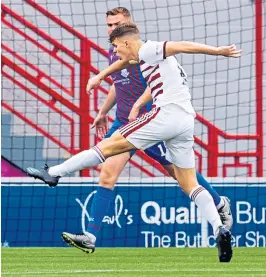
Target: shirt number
(161, 150)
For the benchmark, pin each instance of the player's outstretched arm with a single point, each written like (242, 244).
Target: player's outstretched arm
(173, 48)
(141, 102)
(96, 80)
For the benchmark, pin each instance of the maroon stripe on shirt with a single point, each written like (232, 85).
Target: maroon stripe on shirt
(155, 77)
(157, 86)
(148, 76)
(158, 93)
(141, 62)
(147, 68)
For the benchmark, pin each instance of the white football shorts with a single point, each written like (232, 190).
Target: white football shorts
(170, 124)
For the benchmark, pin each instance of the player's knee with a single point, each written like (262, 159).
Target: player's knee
(107, 178)
(186, 179)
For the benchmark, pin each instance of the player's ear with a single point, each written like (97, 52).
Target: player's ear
(126, 43)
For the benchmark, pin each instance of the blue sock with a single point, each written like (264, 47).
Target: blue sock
(99, 209)
(203, 182)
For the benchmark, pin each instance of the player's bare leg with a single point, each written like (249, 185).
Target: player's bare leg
(111, 170)
(170, 170)
(188, 182)
(115, 145)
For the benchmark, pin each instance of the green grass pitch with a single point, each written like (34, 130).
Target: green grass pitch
(139, 262)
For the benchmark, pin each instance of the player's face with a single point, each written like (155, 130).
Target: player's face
(113, 21)
(120, 49)
(124, 49)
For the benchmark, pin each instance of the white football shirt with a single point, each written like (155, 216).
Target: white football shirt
(165, 76)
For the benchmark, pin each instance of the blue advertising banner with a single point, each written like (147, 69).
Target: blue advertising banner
(151, 214)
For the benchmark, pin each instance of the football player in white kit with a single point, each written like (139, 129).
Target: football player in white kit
(172, 116)
(171, 120)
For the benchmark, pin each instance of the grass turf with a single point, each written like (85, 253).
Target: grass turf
(139, 262)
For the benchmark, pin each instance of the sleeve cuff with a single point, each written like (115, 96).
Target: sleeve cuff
(164, 45)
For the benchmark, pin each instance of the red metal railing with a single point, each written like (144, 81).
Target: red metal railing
(259, 83)
(86, 68)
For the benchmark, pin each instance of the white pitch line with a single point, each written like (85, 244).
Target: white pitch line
(134, 270)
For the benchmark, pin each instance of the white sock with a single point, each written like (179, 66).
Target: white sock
(221, 204)
(205, 203)
(84, 159)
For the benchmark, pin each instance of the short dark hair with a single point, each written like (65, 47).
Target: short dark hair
(122, 30)
(119, 10)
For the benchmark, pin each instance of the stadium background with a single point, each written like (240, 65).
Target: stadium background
(50, 49)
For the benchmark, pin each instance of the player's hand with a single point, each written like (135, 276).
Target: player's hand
(230, 51)
(133, 113)
(132, 62)
(93, 82)
(101, 124)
